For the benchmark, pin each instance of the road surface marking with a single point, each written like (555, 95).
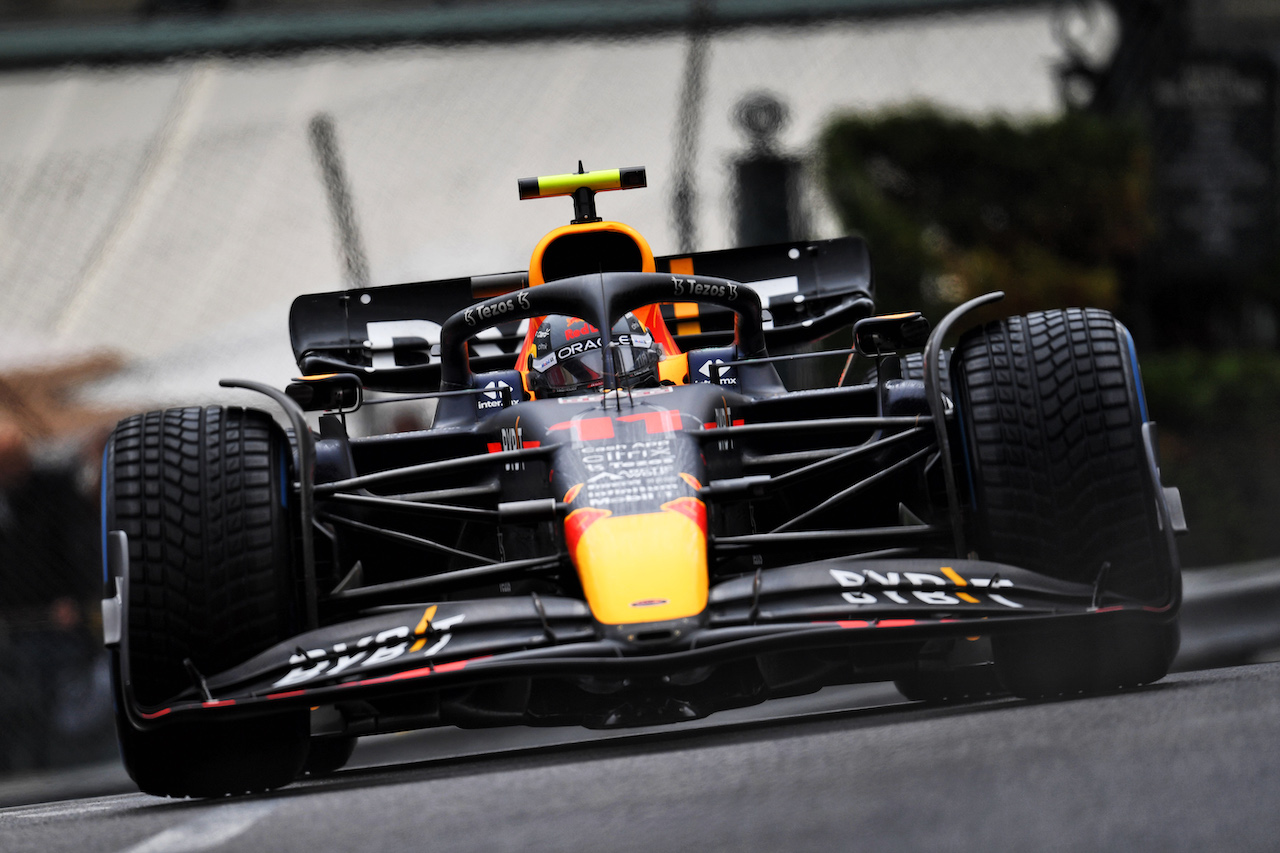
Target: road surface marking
(205, 832)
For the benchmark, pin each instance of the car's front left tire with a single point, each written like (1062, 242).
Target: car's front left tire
(201, 494)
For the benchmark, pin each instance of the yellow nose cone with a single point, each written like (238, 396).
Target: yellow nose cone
(642, 568)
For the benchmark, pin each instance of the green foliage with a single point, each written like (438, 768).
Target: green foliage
(1190, 389)
(1053, 212)
(1218, 415)
(953, 207)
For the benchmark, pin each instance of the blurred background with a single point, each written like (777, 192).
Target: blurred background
(174, 172)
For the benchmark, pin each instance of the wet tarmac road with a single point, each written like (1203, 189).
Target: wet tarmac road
(1191, 763)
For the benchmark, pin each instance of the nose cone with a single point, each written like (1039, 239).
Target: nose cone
(649, 567)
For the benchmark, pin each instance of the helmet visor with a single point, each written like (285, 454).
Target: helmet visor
(633, 361)
(577, 373)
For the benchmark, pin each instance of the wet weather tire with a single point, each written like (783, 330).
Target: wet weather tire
(1052, 416)
(200, 493)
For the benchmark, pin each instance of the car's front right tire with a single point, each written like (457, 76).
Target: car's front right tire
(1051, 409)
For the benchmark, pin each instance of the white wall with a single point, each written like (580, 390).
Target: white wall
(166, 210)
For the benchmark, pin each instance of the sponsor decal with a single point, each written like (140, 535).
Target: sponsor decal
(492, 396)
(631, 472)
(690, 287)
(512, 439)
(771, 287)
(577, 328)
(726, 375)
(370, 651)
(489, 310)
(890, 586)
(579, 347)
(650, 602)
(382, 336)
(724, 418)
(548, 361)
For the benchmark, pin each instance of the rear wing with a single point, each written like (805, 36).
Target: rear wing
(390, 336)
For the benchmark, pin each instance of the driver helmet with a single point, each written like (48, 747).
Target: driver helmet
(567, 359)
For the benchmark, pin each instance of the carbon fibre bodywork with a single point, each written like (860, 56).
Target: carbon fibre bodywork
(634, 555)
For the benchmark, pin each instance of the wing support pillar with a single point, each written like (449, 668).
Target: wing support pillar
(306, 486)
(933, 388)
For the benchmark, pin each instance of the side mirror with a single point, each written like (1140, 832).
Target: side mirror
(890, 333)
(340, 392)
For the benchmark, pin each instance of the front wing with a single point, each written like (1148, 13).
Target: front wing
(824, 604)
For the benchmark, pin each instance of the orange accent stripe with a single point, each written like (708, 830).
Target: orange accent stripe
(586, 429)
(415, 673)
(894, 623)
(691, 480)
(687, 316)
(425, 622)
(570, 495)
(455, 666)
(535, 262)
(665, 420)
(691, 508)
(577, 522)
(681, 266)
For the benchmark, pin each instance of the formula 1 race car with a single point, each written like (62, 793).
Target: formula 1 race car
(619, 514)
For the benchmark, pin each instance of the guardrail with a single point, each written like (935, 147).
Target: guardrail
(153, 39)
(1230, 614)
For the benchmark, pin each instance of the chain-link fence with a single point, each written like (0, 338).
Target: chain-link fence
(159, 219)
